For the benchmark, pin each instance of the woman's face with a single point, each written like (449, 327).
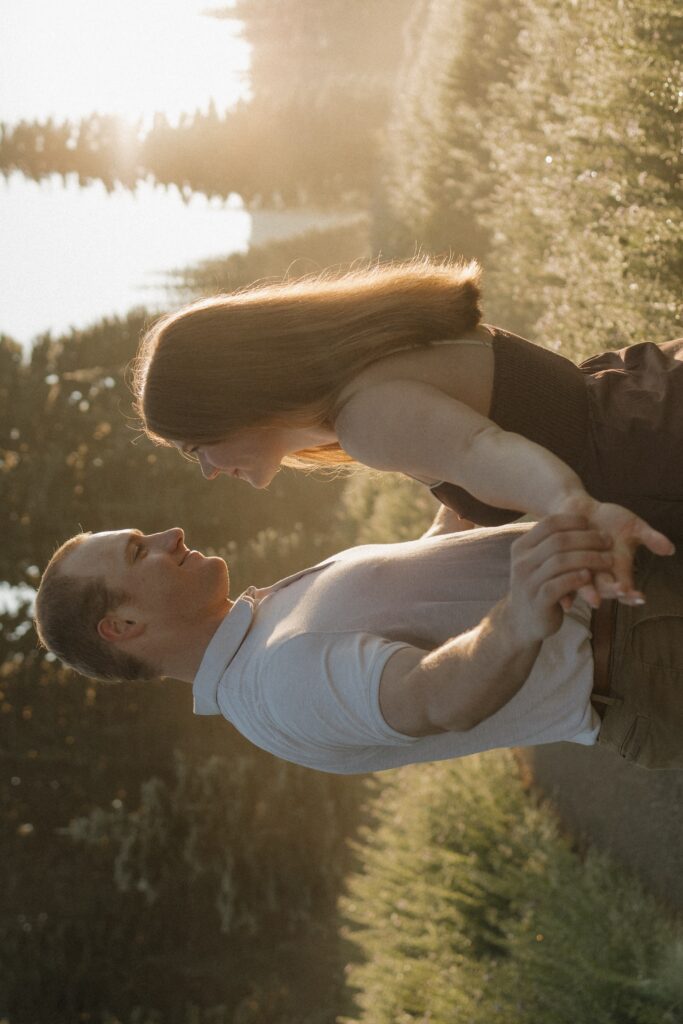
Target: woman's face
(253, 454)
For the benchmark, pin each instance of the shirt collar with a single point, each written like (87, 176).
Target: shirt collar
(228, 639)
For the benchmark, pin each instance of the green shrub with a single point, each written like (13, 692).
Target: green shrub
(471, 906)
(544, 138)
(439, 165)
(586, 213)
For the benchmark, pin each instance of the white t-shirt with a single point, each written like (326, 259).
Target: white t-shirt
(296, 667)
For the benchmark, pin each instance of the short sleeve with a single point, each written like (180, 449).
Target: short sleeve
(323, 688)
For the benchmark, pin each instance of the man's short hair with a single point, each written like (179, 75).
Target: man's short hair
(68, 610)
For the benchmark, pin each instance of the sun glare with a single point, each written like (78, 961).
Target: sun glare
(132, 58)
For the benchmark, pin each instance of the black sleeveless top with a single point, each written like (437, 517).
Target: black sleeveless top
(536, 393)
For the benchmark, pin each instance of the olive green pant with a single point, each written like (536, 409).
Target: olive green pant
(643, 720)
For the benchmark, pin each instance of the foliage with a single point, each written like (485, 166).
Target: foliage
(100, 146)
(470, 905)
(210, 836)
(299, 44)
(592, 178)
(379, 509)
(544, 137)
(141, 843)
(321, 83)
(217, 154)
(290, 258)
(439, 171)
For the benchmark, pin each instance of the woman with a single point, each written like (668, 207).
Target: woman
(390, 367)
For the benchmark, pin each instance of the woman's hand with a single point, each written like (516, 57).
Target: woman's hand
(626, 531)
(548, 565)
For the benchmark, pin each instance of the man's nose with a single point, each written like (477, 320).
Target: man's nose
(167, 540)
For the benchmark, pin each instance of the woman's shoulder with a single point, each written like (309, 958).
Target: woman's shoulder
(460, 367)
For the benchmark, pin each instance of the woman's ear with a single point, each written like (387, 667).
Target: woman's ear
(115, 629)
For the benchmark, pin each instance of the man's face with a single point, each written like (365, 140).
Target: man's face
(165, 581)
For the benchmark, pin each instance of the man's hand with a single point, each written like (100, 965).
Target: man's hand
(470, 677)
(549, 564)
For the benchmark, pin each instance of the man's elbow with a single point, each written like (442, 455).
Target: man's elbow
(465, 721)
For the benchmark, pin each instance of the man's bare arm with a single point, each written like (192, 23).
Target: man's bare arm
(472, 676)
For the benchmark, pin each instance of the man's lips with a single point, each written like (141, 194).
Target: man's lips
(186, 554)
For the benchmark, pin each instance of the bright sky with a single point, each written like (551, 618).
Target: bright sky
(71, 255)
(68, 58)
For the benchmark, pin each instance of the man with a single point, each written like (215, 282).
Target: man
(387, 654)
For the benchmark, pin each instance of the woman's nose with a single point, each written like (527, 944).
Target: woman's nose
(208, 471)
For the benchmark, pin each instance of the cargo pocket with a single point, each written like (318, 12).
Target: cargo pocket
(657, 641)
(635, 739)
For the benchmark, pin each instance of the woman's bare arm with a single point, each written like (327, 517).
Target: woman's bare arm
(413, 427)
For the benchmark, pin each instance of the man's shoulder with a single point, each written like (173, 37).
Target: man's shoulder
(312, 658)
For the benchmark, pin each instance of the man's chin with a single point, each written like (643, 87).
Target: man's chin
(222, 568)
(212, 574)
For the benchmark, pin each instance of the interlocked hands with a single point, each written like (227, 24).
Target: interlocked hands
(550, 564)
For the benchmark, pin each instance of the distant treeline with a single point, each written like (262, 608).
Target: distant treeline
(322, 83)
(295, 154)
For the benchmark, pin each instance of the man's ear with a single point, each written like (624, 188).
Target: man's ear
(115, 629)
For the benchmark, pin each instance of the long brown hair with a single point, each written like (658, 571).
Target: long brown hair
(282, 353)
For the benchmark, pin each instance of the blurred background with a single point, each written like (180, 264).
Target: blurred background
(158, 868)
